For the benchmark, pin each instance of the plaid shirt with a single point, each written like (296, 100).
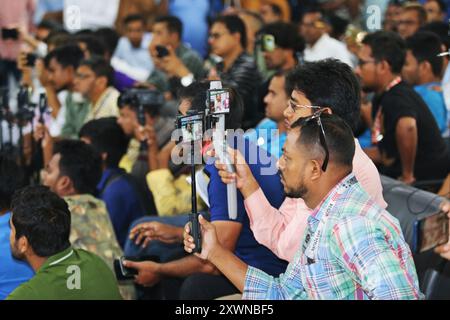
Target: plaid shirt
(360, 254)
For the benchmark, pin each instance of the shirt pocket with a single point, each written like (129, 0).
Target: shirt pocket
(324, 279)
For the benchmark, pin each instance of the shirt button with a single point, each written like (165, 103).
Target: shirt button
(307, 237)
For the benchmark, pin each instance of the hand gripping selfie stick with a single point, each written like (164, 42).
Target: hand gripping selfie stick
(220, 147)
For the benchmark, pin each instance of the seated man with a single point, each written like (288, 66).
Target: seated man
(199, 280)
(423, 70)
(353, 249)
(73, 173)
(119, 191)
(270, 133)
(228, 40)
(40, 228)
(12, 272)
(94, 80)
(409, 145)
(132, 47)
(328, 84)
(180, 65)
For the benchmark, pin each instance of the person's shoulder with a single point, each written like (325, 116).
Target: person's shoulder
(24, 292)
(80, 204)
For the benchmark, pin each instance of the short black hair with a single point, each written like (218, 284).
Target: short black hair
(106, 137)
(67, 56)
(109, 37)
(276, 9)
(388, 46)
(441, 4)
(338, 135)
(419, 9)
(285, 35)
(134, 17)
(43, 218)
(59, 39)
(51, 25)
(441, 29)
(234, 24)
(130, 99)
(329, 83)
(196, 93)
(425, 46)
(100, 67)
(12, 178)
(80, 163)
(94, 45)
(174, 24)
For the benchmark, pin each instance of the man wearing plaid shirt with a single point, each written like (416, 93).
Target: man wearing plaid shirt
(352, 249)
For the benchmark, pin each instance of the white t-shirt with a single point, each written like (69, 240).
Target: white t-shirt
(328, 47)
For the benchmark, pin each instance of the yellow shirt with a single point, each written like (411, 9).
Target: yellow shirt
(172, 195)
(106, 106)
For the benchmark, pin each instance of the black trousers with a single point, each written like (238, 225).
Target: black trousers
(199, 286)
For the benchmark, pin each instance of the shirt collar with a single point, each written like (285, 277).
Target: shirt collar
(105, 176)
(321, 40)
(57, 258)
(333, 195)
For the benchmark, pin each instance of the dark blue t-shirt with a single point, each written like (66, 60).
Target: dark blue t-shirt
(263, 167)
(122, 201)
(12, 272)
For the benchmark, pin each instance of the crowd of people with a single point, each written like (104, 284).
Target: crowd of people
(321, 104)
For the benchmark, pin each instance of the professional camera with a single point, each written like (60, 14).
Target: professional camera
(141, 97)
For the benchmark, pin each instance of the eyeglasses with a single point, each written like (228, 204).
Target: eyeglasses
(83, 76)
(295, 106)
(322, 137)
(362, 62)
(215, 35)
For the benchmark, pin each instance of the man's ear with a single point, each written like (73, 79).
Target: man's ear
(425, 67)
(383, 67)
(315, 170)
(23, 245)
(64, 184)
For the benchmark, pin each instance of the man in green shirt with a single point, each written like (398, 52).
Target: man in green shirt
(40, 228)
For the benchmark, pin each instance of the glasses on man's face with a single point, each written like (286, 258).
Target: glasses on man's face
(83, 76)
(362, 62)
(295, 106)
(316, 118)
(215, 35)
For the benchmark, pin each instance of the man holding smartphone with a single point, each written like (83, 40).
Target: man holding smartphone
(175, 63)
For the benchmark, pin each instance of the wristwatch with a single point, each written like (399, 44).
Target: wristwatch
(187, 80)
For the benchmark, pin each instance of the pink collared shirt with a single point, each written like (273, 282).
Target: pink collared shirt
(282, 230)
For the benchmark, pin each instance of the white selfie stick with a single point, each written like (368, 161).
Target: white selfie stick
(220, 146)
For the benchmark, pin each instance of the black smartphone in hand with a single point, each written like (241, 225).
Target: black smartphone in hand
(125, 273)
(12, 34)
(162, 51)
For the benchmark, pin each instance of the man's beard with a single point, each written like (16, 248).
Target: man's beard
(297, 193)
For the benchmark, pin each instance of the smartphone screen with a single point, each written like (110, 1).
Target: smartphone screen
(192, 128)
(268, 43)
(431, 232)
(219, 101)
